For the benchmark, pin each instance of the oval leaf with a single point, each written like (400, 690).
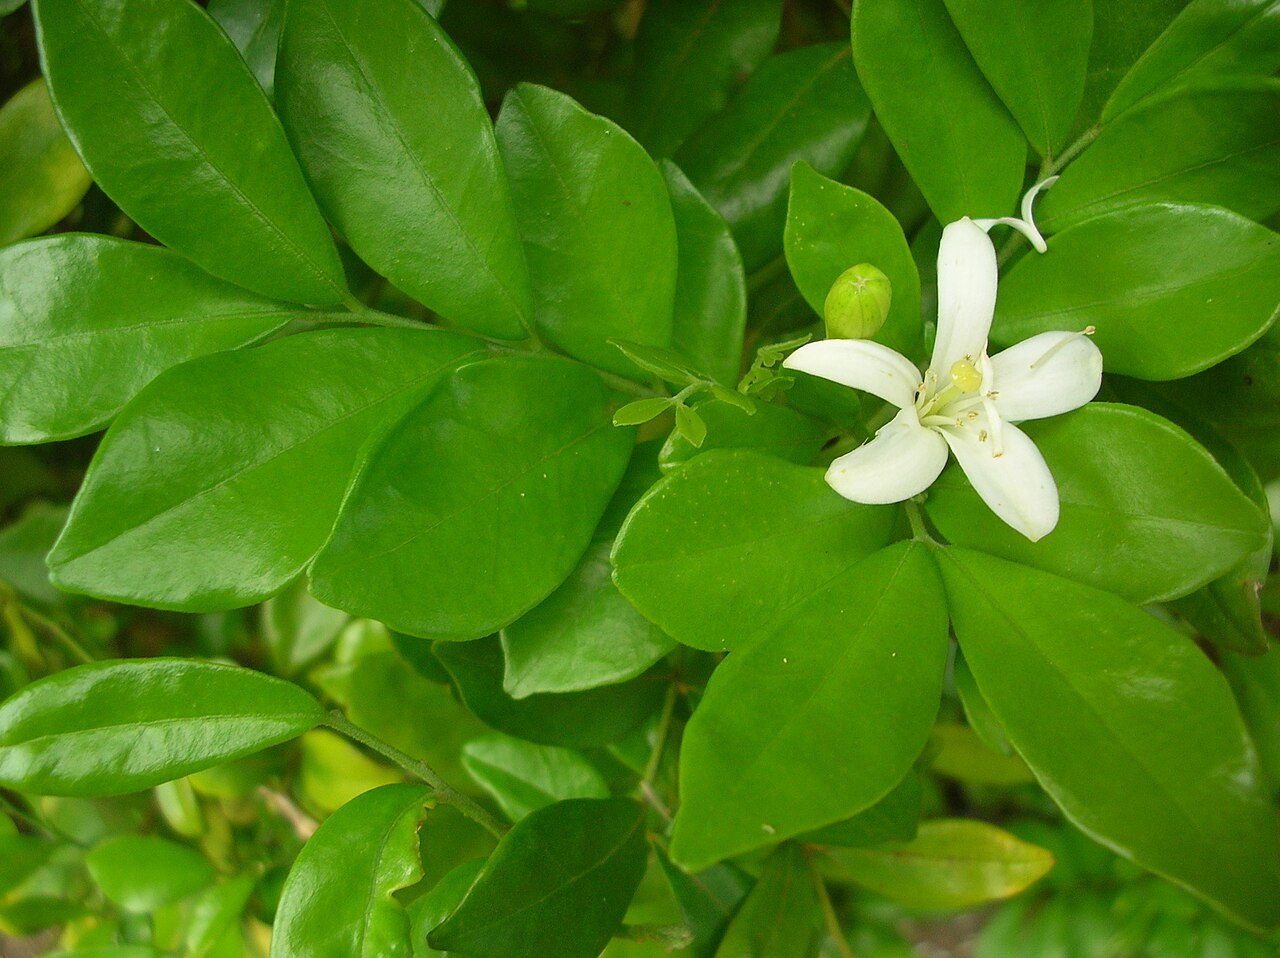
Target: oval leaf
(142, 873)
(41, 178)
(115, 727)
(523, 777)
(781, 916)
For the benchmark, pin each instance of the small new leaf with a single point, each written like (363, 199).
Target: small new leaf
(663, 363)
(734, 398)
(641, 411)
(690, 425)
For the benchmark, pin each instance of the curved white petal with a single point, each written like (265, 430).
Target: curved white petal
(966, 295)
(1016, 485)
(1046, 375)
(861, 364)
(902, 460)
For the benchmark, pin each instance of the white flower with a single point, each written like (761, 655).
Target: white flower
(966, 401)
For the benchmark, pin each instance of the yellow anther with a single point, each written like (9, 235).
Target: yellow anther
(966, 376)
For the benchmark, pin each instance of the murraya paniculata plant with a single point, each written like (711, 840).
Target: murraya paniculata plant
(550, 478)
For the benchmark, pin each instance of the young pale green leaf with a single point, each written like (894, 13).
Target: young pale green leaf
(219, 483)
(1126, 725)
(1215, 142)
(1208, 38)
(438, 904)
(896, 817)
(772, 430)
(524, 777)
(479, 503)
(339, 901)
(708, 899)
(961, 755)
(254, 27)
(781, 916)
(1170, 288)
(583, 719)
(174, 127)
(690, 55)
(951, 863)
(1034, 56)
(641, 411)
(41, 178)
(115, 727)
(142, 873)
(87, 321)
(1133, 487)
(663, 363)
(726, 546)
(404, 161)
(803, 104)
(820, 719)
(711, 291)
(690, 426)
(332, 771)
(556, 886)
(596, 224)
(960, 144)
(831, 227)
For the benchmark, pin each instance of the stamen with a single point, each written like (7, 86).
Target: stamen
(982, 435)
(1059, 345)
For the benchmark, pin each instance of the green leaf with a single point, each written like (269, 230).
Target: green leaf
(87, 321)
(297, 629)
(1171, 289)
(174, 127)
(690, 55)
(1126, 725)
(1034, 56)
(229, 517)
(1133, 487)
(690, 426)
(711, 291)
(523, 777)
(556, 886)
(41, 178)
(339, 901)
(804, 104)
(216, 911)
(664, 363)
(1208, 38)
(641, 411)
(479, 503)
(20, 856)
(23, 547)
(1214, 143)
(1255, 682)
(780, 917)
(896, 817)
(404, 161)
(963, 756)
(818, 720)
(1123, 30)
(596, 224)
(772, 430)
(115, 727)
(952, 863)
(707, 899)
(578, 719)
(333, 772)
(436, 905)
(961, 146)
(254, 27)
(831, 227)
(141, 873)
(725, 547)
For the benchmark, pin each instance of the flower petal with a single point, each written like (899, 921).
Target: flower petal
(902, 460)
(1046, 375)
(1016, 485)
(860, 364)
(966, 295)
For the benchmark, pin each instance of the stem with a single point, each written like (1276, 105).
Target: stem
(829, 912)
(664, 729)
(58, 632)
(444, 791)
(919, 530)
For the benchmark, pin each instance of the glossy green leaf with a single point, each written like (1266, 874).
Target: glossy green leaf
(1208, 38)
(772, 430)
(115, 727)
(725, 547)
(1126, 725)
(41, 178)
(952, 863)
(437, 904)
(707, 899)
(254, 27)
(820, 719)
(831, 227)
(781, 917)
(596, 223)
(556, 886)
(711, 292)
(1123, 30)
(394, 138)
(801, 105)
(1217, 142)
(1035, 57)
(338, 901)
(202, 166)
(221, 480)
(1171, 289)
(141, 873)
(479, 503)
(523, 777)
(579, 719)
(962, 147)
(1133, 487)
(690, 54)
(896, 817)
(87, 321)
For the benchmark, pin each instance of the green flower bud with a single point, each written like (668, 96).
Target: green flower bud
(858, 303)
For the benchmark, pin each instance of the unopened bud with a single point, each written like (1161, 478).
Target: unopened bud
(858, 303)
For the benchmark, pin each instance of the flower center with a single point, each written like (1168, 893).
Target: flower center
(965, 376)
